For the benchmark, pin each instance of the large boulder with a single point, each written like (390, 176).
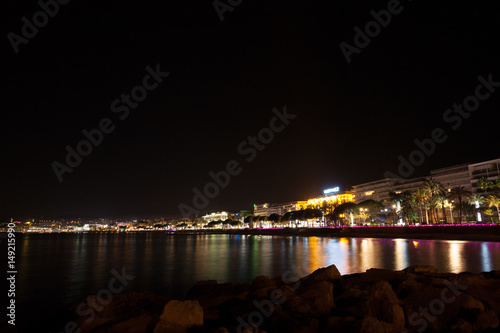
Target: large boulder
(297, 304)
(471, 304)
(382, 303)
(139, 308)
(483, 289)
(178, 316)
(320, 297)
(262, 286)
(485, 320)
(330, 273)
(378, 301)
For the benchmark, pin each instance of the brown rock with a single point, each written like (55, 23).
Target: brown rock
(411, 285)
(330, 273)
(320, 296)
(121, 308)
(383, 291)
(382, 303)
(286, 292)
(355, 293)
(471, 304)
(297, 304)
(178, 316)
(483, 289)
(485, 320)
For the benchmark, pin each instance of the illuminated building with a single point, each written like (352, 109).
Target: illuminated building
(267, 209)
(488, 169)
(377, 190)
(328, 202)
(465, 175)
(221, 216)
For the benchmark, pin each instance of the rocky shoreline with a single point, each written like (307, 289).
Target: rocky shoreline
(417, 299)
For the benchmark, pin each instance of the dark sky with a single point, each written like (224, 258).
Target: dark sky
(353, 120)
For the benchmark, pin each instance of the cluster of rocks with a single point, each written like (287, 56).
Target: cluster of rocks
(417, 299)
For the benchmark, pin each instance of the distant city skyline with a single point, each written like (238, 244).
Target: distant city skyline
(330, 191)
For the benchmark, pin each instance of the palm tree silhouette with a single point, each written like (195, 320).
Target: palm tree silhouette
(432, 188)
(477, 200)
(459, 193)
(493, 200)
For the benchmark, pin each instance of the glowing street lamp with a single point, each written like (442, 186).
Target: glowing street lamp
(479, 217)
(449, 204)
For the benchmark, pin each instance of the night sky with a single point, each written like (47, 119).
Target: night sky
(225, 78)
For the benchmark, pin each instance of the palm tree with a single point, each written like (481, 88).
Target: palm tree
(493, 200)
(440, 199)
(420, 198)
(477, 200)
(397, 198)
(459, 193)
(467, 209)
(346, 209)
(432, 188)
(408, 205)
(484, 183)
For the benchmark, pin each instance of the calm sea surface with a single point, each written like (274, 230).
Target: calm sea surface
(55, 270)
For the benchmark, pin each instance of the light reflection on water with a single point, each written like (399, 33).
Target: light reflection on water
(58, 269)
